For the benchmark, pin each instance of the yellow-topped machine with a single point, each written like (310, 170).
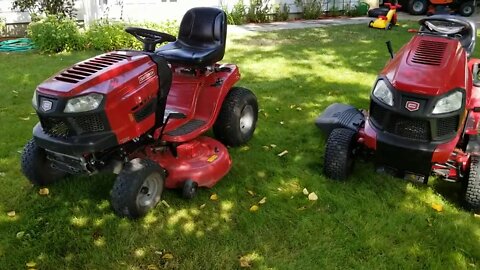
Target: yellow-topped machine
(388, 21)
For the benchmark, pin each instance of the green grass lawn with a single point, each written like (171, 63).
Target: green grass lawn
(370, 222)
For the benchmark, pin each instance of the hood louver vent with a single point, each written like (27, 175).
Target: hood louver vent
(429, 53)
(90, 67)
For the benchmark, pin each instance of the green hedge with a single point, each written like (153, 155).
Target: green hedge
(54, 34)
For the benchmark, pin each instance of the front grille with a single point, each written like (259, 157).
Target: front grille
(55, 127)
(447, 125)
(410, 128)
(413, 128)
(70, 126)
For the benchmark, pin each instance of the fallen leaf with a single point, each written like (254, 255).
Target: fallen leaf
(292, 106)
(266, 147)
(299, 108)
(283, 153)
(437, 207)
(31, 264)
(281, 122)
(263, 200)
(312, 196)
(302, 208)
(25, 118)
(152, 267)
(245, 262)
(202, 206)
(251, 193)
(20, 234)
(277, 109)
(476, 215)
(165, 203)
(2, 174)
(16, 92)
(245, 148)
(254, 208)
(167, 256)
(305, 191)
(273, 145)
(44, 191)
(158, 252)
(214, 197)
(11, 214)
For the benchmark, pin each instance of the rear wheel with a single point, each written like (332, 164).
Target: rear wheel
(37, 168)
(417, 7)
(238, 117)
(472, 190)
(370, 24)
(138, 188)
(467, 9)
(339, 153)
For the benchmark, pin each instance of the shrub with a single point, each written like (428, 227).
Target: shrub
(311, 9)
(238, 13)
(54, 34)
(107, 35)
(258, 11)
(281, 12)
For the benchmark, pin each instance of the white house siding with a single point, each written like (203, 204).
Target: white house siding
(151, 10)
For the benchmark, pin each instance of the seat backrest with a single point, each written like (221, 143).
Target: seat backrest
(204, 27)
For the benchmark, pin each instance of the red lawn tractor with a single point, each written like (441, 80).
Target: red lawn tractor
(141, 114)
(424, 112)
(463, 7)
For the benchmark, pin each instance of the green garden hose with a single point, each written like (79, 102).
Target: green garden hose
(16, 45)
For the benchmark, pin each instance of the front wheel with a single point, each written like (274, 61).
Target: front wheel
(238, 116)
(36, 166)
(339, 153)
(467, 9)
(138, 188)
(190, 188)
(472, 187)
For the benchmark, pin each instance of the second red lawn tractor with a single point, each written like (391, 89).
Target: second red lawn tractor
(141, 114)
(424, 112)
(463, 7)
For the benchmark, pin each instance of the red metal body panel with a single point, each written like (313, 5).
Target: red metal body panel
(407, 76)
(198, 97)
(123, 91)
(204, 160)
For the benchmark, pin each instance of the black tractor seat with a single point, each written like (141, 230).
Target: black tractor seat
(201, 39)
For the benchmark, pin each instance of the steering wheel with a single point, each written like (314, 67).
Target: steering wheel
(149, 38)
(445, 25)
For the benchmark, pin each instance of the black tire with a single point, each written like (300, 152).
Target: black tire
(37, 168)
(339, 159)
(472, 187)
(417, 7)
(138, 188)
(370, 24)
(190, 188)
(237, 119)
(389, 26)
(375, 12)
(467, 9)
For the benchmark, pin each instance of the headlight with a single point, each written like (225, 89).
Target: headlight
(382, 92)
(449, 103)
(34, 99)
(83, 103)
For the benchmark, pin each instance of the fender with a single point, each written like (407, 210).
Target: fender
(340, 115)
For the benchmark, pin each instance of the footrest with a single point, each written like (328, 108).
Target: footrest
(187, 127)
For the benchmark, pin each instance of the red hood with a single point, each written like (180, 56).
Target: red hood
(100, 74)
(428, 65)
